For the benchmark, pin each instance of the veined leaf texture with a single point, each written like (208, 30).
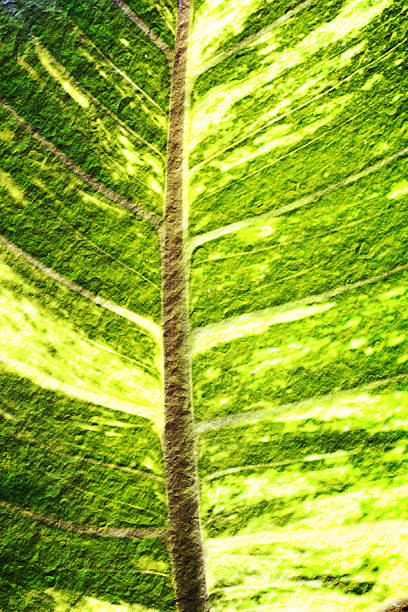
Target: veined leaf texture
(294, 217)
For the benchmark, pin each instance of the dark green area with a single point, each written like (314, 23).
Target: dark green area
(59, 458)
(35, 558)
(102, 101)
(152, 74)
(48, 22)
(49, 428)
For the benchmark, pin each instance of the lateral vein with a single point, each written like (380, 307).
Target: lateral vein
(86, 178)
(142, 322)
(270, 412)
(197, 241)
(133, 534)
(275, 464)
(276, 314)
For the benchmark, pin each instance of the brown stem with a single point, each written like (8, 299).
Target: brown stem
(399, 606)
(184, 532)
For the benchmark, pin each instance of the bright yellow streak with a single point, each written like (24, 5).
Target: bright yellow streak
(8, 183)
(386, 535)
(139, 158)
(6, 135)
(60, 75)
(55, 355)
(277, 136)
(214, 22)
(94, 397)
(216, 107)
(343, 546)
(399, 189)
(252, 323)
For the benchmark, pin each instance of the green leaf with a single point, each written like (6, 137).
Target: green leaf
(293, 177)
